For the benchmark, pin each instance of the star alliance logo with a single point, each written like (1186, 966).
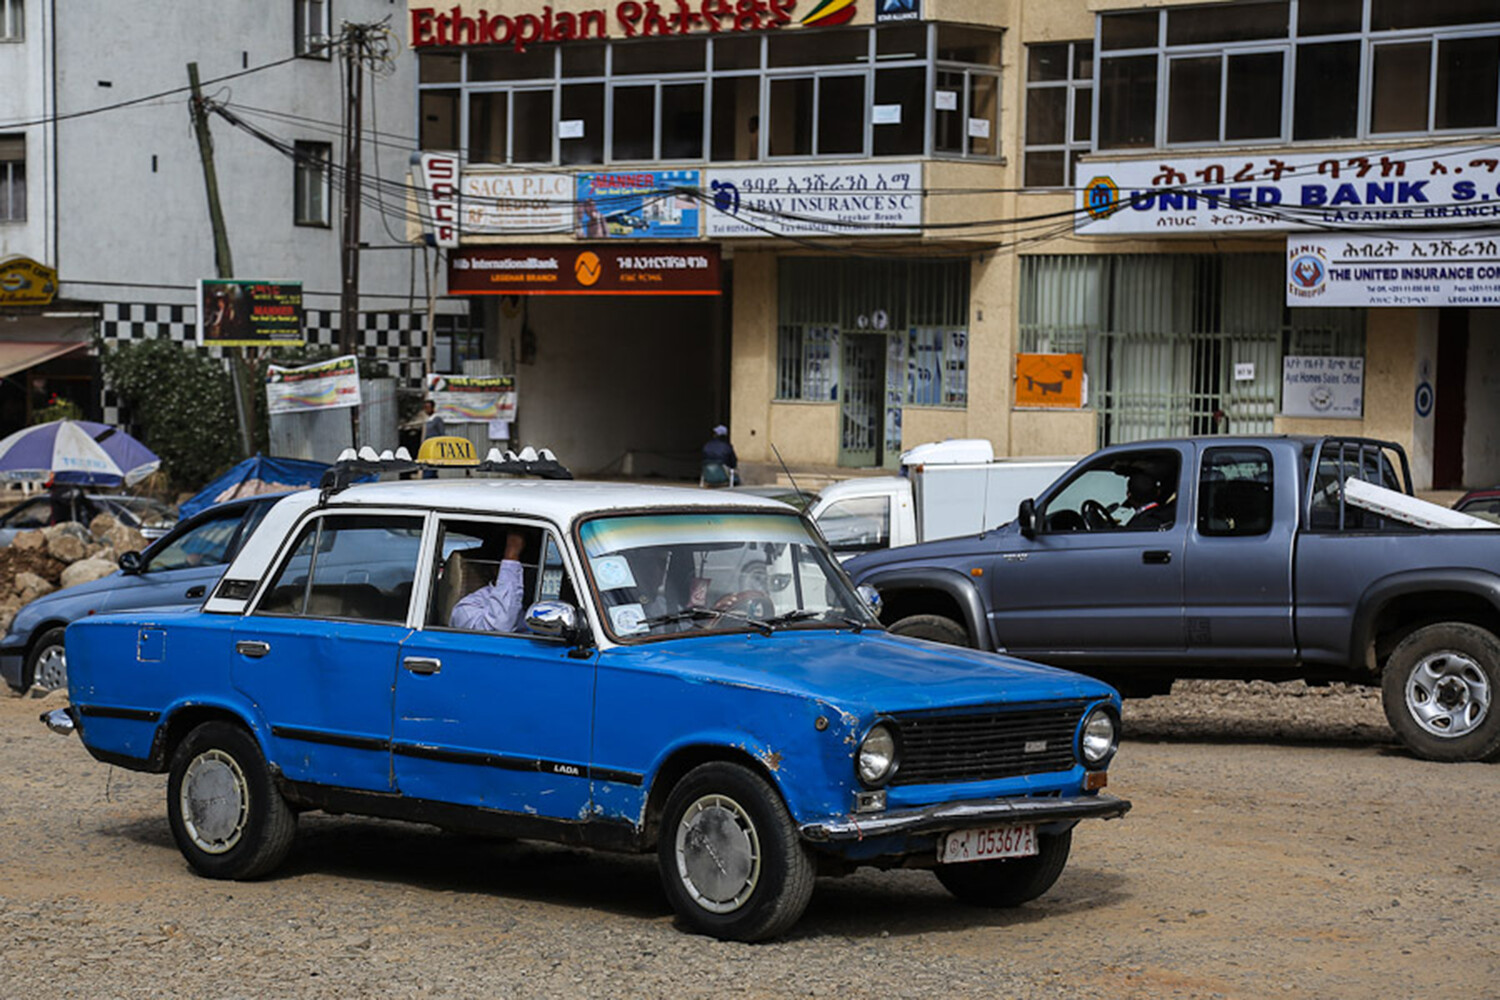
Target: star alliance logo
(898, 10)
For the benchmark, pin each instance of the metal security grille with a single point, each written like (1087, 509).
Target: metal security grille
(985, 745)
(1177, 344)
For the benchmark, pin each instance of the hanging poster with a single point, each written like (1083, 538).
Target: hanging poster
(323, 386)
(638, 204)
(234, 313)
(472, 399)
(513, 202)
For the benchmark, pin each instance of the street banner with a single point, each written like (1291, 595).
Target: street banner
(234, 313)
(587, 269)
(1322, 387)
(1426, 188)
(881, 199)
(514, 202)
(1387, 269)
(326, 385)
(472, 399)
(638, 204)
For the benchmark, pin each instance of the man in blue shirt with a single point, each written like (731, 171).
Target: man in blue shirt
(496, 607)
(719, 459)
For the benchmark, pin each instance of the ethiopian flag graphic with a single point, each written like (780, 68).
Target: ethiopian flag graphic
(828, 13)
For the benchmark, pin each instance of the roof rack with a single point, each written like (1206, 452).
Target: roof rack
(366, 464)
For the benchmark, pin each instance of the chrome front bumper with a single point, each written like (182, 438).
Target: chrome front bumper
(960, 815)
(60, 720)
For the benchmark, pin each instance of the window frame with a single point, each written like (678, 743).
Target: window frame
(431, 561)
(12, 20)
(1202, 515)
(1078, 88)
(311, 44)
(312, 167)
(1290, 45)
(13, 177)
(315, 520)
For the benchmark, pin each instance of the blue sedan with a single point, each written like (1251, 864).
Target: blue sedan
(174, 572)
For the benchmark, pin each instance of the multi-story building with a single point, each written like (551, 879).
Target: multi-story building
(101, 182)
(1053, 225)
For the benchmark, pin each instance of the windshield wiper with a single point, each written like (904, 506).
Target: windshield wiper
(698, 613)
(794, 615)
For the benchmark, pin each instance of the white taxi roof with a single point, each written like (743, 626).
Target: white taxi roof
(559, 501)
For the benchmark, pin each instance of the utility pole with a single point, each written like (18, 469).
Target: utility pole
(355, 41)
(223, 261)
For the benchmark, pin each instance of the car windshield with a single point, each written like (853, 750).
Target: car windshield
(139, 512)
(661, 575)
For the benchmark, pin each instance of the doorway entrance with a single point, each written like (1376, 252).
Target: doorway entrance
(862, 401)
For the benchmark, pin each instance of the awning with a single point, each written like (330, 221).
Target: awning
(19, 355)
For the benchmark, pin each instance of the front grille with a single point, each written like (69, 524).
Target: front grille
(986, 744)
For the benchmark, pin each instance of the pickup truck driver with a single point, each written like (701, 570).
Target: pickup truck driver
(1143, 495)
(495, 607)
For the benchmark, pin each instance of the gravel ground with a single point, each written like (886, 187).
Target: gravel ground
(1282, 844)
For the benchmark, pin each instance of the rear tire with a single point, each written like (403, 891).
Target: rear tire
(1008, 882)
(731, 859)
(47, 664)
(1440, 689)
(226, 815)
(937, 628)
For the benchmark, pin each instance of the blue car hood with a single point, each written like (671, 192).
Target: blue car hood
(885, 672)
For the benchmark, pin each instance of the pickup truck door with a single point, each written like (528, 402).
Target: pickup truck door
(318, 654)
(1102, 581)
(499, 720)
(1239, 564)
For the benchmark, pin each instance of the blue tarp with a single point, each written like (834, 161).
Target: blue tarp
(255, 476)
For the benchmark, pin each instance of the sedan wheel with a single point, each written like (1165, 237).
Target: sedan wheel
(49, 662)
(718, 854)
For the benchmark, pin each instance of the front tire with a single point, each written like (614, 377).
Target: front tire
(1439, 691)
(47, 666)
(1007, 882)
(938, 628)
(731, 860)
(226, 815)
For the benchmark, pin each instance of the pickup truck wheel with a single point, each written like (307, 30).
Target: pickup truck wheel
(731, 859)
(1009, 882)
(938, 628)
(1439, 692)
(48, 662)
(226, 815)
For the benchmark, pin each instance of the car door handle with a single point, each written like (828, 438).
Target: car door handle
(1156, 557)
(197, 591)
(422, 664)
(252, 647)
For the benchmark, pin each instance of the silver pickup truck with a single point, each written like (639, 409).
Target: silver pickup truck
(1228, 557)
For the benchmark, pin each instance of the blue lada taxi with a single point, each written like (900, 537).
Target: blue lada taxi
(692, 674)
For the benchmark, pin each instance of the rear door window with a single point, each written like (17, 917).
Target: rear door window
(356, 567)
(1234, 492)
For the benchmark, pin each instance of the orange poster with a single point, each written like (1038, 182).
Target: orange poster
(1051, 380)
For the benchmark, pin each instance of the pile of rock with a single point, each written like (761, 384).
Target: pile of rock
(61, 556)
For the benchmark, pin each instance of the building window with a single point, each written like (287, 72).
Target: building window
(310, 28)
(312, 161)
(12, 178)
(914, 312)
(1059, 110)
(1273, 71)
(848, 92)
(12, 20)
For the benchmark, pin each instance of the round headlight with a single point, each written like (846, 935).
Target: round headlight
(1100, 736)
(877, 756)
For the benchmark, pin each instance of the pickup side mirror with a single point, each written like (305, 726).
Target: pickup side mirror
(1026, 518)
(130, 563)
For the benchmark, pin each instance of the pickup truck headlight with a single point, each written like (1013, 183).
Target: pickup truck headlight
(878, 756)
(1098, 737)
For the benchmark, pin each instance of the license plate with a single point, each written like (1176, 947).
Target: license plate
(988, 843)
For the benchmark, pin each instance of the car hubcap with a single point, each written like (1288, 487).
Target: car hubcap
(718, 854)
(1448, 694)
(215, 801)
(51, 669)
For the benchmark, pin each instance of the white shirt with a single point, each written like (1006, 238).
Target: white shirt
(495, 608)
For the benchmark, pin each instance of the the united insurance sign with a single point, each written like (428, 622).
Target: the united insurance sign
(1407, 188)
(1392, 269)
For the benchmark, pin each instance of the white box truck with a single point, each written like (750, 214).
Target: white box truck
(946, 489)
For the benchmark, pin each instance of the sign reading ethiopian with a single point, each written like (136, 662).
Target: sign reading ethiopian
(249, 313)
(472, 399)
(1387, 269)
(1405, 188)
(878, 199)
(323, 386)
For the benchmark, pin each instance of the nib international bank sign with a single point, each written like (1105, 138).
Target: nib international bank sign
(587, 269)
(1423, 188)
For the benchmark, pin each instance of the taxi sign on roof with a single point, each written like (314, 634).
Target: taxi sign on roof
(448, 450)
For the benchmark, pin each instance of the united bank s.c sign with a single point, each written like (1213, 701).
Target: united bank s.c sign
(627, 19)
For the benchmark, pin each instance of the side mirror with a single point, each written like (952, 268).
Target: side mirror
(553, 619)
(871, 597)
(1026, 518)
(130, 563)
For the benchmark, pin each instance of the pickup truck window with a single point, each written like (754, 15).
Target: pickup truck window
(1135, 491)
(359, 567)
(1234, 494)
(860, 524)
